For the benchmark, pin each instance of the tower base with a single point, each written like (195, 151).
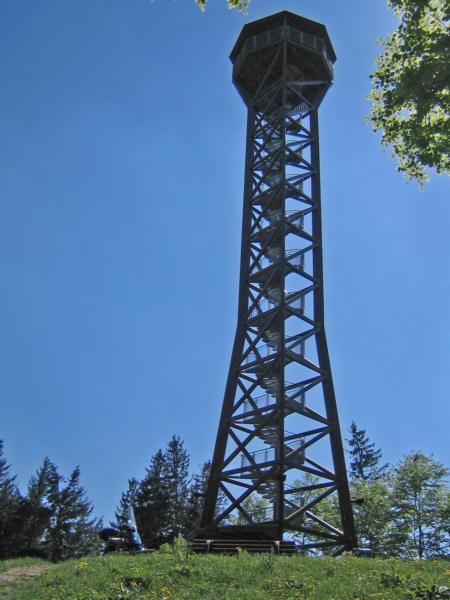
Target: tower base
(237, 538)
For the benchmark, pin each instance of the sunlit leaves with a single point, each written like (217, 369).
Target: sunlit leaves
(240, 5)
(411, 88)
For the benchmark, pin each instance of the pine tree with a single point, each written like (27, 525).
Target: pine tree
(370, 486)
(196, 499)
(365, 459)
(176, 476)
(9, 503)
(152, 503)
(34, 513)
(127, 499)
(162, 505)
(71, 531)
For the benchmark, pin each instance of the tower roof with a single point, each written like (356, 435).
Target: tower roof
(277, 19)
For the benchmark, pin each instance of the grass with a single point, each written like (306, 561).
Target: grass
(178, 575)
(5, 565)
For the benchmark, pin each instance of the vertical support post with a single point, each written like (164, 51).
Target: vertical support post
(322, 347)
(227, 407)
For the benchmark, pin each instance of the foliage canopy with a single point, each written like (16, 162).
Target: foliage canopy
(420, 501)
(410, 88)
(241, 5)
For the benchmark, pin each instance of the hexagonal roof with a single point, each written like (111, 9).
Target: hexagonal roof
(277, 19)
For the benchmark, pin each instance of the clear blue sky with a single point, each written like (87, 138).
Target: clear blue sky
(121, 175)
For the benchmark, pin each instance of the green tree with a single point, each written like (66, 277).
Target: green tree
(241, 5)
(128, 498)
(9, 502)
(167, 503)
(152, 503)
(196, 498)
(421, 508)
(373, 514)
(257, 507)
(176, 476)
(71, 531)
(34, 513)
(364, 458)
(410, 88)
(327, 509)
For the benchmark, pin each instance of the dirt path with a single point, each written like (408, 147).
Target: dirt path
(22, 573)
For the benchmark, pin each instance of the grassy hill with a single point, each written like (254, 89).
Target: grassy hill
(177, 575)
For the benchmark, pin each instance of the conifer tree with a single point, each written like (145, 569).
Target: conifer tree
(196, 499)
(71, 530)
(34, 512)
(162, 501)
(152, 503)
(365, 459)
(127, 499)
(370, 486)
(176, 476)
(7, 481)
(9, 504)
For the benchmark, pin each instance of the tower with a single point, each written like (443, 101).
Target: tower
(279, 458)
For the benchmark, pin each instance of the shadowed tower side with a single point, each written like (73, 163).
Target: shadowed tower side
(279, 458)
